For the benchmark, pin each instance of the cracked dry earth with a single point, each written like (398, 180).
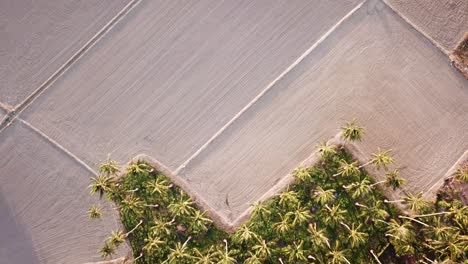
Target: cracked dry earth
(228, 96)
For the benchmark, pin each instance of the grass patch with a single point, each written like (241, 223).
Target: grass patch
(334, 213)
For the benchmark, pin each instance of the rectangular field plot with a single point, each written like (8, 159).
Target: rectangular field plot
(38, 37)
(44, 198)
(172, 73)
(374, 68)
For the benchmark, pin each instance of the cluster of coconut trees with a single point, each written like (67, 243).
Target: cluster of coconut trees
(334, 213)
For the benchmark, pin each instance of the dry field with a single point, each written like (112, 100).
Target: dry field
(229, 96)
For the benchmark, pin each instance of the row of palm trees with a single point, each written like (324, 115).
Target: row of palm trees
(334, 213)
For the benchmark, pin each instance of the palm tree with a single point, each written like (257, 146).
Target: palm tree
(159, 186)
(182, 208)
(416, 202)
(95, 212)
(334, 215)
(347, 169)
(302, 174)
(162, 228)
(253, 259)
(100, 184)
(262, 249)
(244, 235)
(199, 223)
(356, 237)
(132, 204)
(287, 198)
(322, 196)
(226, 256)
(208, 258)
(284, 225)
(179, 253)
(318, 237)
(374, 212)
(152, 243)
(402, 232)
(107, 250)
(381, 159)
(462, 173)
(338, 256)
(296, 252)
(260, 210)
(326, 150)
(392, 180)
(299, 216)
(138, 168)
(455, 246)
(352, 132)
(117, 238)
(359, 189)
(109, 168)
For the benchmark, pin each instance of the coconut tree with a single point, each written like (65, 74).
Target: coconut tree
(179, 253)
(318, 236)
(351, 132)
(356, 238)
(462, 173)
(321, 196)
(153, 243)
(260, 210)
(132, 204)
(159, 186)
(110, 167)
(226, 256)
(302, 174)
(455, 246)
(262, 249)
(359, 189)
(244, 234)
(199, 222)
(380, 159)
(138, 168)
(337, 256)
(100, 184)
(326, 150)
(416, 202)
(347, 169)
(253, 259)
(95, 212)
(205, 258)
(296, 252)
(284, 225)
(300, 215)
(392, 180)
(161, 227)
(287, 198)
(334, 214)
(459, 214)
(107, 250)
(440, 231)
(117, 238)
(374, 212)
(401, 231)
(183, 207)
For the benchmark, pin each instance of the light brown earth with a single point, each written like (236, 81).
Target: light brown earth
(44, 197)
(173, 73)
(445, 21)
(38, 37)
(230, 96)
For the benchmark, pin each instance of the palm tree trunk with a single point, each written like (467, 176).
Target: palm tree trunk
(365, 164)
(433, 214)
(131, 231)
(394, 201)
(415, 220)
(375, 257)
(377, 183)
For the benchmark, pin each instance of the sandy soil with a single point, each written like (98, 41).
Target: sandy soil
(173, 73)
(43, 203)
(445, 21)
(37, 37)
(376, 68)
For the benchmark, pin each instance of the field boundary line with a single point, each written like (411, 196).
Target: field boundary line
(269, 86)
(58, 146)
(71, 61)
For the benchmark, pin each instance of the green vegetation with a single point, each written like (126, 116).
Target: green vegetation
(334, 213)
